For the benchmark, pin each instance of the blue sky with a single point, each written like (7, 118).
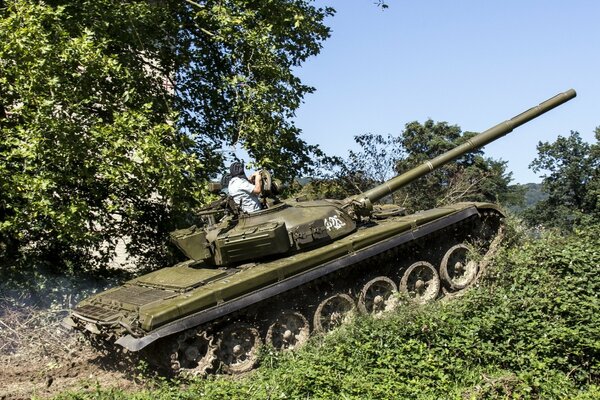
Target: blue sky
(470, 63)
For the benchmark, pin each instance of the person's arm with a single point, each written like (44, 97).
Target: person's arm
(257, 182)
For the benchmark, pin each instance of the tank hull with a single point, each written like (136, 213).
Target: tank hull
(189, 295)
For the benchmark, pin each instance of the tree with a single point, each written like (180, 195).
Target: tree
(571, 180)
(471, 177)
(113, 114)
(236, 79)
(375, 162)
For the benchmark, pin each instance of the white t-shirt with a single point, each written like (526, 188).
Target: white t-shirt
(241, 191)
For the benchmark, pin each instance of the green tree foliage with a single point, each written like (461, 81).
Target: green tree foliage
(571, 180)
(86, 151)
(376, 159)
(235, 79)
(113, 114)
(470, 177)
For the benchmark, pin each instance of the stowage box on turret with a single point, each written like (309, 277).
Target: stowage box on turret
(296, 267)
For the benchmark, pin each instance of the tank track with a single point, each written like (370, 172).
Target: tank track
(416, 271)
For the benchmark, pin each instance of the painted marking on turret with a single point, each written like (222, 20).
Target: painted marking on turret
(333, 223)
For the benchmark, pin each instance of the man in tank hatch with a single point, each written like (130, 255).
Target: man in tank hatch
(242, 190)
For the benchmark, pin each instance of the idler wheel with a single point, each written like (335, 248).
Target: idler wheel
(194, 353)
(420, 282)
(289, 331)
(239, 347)
(333, 311)
(377, 296)
(457, 270)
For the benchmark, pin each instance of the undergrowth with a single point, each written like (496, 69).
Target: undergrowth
(531, 329)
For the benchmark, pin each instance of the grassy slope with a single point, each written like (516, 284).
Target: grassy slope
(530, 330)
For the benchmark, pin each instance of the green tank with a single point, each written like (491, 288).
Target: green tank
(278, 275)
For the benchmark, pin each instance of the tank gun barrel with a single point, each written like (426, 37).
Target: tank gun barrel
(365, 199)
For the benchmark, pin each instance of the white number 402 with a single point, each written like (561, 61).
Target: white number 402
(333, 222)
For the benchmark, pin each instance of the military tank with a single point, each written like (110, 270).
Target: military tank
(275, 276)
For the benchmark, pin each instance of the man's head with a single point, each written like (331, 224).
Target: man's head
(236, 169)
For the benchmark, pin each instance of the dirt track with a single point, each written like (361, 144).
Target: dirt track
(38, 357)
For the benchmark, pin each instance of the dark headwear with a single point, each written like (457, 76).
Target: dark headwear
(236, 169)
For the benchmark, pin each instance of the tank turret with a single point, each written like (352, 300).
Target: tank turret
(279, 274)
(292, 225)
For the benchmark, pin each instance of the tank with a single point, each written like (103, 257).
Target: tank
(297, 267)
